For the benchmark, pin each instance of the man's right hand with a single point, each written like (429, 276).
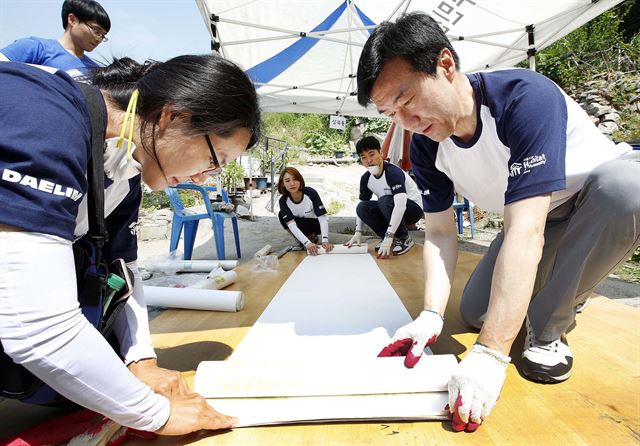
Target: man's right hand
(411, 339)
(355, 240)
(190, 413)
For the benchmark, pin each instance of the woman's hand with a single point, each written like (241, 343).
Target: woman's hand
(190, 413)
(163, 381)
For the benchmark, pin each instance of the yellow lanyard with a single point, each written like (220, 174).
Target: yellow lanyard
(129, 118)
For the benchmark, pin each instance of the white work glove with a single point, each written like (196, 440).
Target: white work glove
(411, 339)
(475, 387)
(355, 240)
(385, 246)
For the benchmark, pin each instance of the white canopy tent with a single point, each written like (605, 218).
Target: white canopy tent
(303, 54)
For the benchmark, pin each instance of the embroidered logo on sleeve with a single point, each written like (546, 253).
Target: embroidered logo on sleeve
(527, 165)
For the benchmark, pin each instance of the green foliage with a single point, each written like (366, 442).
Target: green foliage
(630, 127)
(293, 128)
(159, 200)
(378, 125)
(313, 132)
(232, 176)
(636, 255)
(334, 207)
(155, 200)
(323, 144)
(598, 46)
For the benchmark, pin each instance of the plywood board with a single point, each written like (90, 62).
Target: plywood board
(605, 344)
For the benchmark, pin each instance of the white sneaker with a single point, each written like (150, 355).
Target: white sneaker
(581, 307)
(377, 247)
(546, 362)
(402, 246)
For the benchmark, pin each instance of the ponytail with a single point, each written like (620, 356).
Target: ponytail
(213, 91)
(120, 78)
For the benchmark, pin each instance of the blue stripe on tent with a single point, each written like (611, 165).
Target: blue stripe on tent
(365, 20)
(267, 70)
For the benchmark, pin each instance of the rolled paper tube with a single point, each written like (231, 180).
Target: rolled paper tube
(341, 249)
(263, 251)
(216, 281)
(194, 299)
(204, 266)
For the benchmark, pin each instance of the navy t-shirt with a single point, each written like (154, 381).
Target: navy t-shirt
(45, 133)
(309, 207)
(531, 139)
(391, 181)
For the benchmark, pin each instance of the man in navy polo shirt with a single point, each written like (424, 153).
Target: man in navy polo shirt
(512, 142)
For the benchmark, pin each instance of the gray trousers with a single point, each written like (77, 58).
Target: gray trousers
(585, 239)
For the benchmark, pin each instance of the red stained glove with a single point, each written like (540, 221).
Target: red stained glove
(456, 422)
(411, 339)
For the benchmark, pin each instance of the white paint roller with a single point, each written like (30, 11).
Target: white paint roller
(194, 299)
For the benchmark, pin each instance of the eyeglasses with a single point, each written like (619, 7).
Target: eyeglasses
(102, 36)
(213, 161)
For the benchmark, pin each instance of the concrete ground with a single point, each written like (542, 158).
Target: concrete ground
(339, 185)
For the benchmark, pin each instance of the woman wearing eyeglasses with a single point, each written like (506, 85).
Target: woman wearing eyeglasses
(85, 24)
(185, 118)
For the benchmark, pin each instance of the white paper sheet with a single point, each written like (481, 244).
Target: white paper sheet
(312, 354)
(330, 306)
(320, 409)
(260, 379)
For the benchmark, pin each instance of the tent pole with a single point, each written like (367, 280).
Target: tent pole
(531, 51)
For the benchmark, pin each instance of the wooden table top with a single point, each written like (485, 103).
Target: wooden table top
(599, 404)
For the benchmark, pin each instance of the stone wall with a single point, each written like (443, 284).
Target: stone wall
(154, 224)
(596, 96)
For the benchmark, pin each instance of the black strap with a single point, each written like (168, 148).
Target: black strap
(95, 172)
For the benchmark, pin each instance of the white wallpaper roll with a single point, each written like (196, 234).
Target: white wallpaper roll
(263, 251)
(204, 266)
(216, 281)
(341, 249)
(194, 299)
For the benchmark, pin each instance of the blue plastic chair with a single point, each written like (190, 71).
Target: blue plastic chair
(188, 219)
(458, 207)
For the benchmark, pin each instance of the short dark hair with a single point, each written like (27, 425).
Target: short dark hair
(215, 92)
(295, 173)
(415, 37)
(367, 143)
(86, 10)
